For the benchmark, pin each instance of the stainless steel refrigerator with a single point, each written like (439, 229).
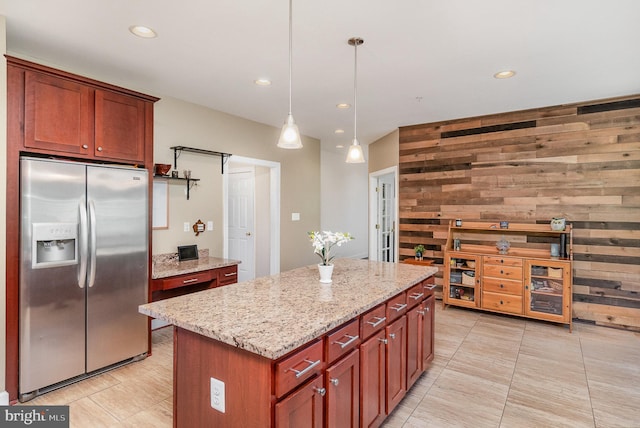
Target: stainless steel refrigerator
(83, 270)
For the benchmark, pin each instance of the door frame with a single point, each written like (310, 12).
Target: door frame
(373, 211)
(274, 209)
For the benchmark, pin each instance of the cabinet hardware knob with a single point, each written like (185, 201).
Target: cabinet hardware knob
(392, 335)
(501, 272)
(501, 285)
(335, 382)
(320, 391)
(84, 146)
(427, 309)
(385, 341)
(99, 149)
(248, 233)
(421, 312)
(189, 281)
(501, 302)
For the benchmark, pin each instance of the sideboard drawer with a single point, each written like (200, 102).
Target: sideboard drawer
(497, 285)
(342, 341)
(502, 302)
(295, 369)
(502, 261)
(373, 321)
(227, 275)
(188, 279)
(507, 272)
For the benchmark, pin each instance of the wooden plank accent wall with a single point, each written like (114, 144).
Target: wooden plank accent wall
(578, 161)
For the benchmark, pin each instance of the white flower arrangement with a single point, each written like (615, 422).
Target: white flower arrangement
(324, 241)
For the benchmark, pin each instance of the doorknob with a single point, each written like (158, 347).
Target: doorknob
(248, 234)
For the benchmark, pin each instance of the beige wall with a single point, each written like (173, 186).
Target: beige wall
(179, 123)
(383, 153)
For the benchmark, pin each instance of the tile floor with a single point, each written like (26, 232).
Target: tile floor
(489, 371)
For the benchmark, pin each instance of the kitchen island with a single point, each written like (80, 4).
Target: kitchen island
(269, 352)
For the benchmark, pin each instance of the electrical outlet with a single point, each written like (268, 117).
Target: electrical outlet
(295, 216)
(209, 225)
(186, 226)
(217, 394)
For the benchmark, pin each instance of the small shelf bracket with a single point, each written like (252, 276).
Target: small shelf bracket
(177, 150)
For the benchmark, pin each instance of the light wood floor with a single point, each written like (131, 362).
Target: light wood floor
(489, 371)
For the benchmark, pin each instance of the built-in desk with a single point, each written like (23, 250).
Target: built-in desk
(171, 278)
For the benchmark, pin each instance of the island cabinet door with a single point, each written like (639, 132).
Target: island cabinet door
(343, 392)
(427, 331)
(373, 380)
(396, 362)
(414, 344)
(303, 408)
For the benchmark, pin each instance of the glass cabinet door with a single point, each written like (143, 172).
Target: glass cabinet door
(462, 280)
(548, 290)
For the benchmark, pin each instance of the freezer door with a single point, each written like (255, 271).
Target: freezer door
(117, 275)
(52, 300)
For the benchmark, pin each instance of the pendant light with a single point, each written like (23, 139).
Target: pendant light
(290, 135)
(355, 154)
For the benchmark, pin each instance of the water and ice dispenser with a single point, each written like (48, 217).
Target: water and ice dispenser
(54, 244)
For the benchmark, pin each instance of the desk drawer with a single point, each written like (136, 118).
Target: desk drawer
(227, 275)
(295, 369)
(188, 279)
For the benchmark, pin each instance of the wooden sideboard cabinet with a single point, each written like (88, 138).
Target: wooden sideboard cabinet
(526, 281)
(69, 115)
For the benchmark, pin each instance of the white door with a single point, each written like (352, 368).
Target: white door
(241, 226)
(386, 223)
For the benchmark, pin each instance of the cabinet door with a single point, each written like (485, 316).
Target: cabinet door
(119, 125)
(303, 408)
(372, 380)
(427, 331)
(58, 115)
(461, 285)
(548, 290)
(414, 344)
(343, 392)
(396, 362)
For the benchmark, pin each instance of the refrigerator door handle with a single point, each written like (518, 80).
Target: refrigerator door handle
(93, 244)
(84, 243)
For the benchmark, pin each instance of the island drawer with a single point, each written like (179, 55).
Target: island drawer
(227, 275)
(343, 340)
(185, 280)
(396, 306)
(373, 321)
(297, 368)
(416, 294)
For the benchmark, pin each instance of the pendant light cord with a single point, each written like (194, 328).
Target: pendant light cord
(290, 49)
(355, 93)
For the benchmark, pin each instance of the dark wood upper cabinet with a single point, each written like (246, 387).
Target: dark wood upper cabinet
(119, 129)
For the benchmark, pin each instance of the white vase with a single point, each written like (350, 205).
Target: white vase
(325, 273)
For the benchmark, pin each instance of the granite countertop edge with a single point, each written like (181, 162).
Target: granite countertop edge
(201, 312)
(171, 268)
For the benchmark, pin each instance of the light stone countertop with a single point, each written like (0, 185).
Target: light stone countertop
(273, 315)
(166, 265)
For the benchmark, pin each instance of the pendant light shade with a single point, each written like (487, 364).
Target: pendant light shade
(290, 135)
(355, 154)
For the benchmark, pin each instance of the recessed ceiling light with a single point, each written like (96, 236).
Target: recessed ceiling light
(343, 105)
(339, 131)
(142, 31)
(262, 82)
(504, 74)
(339, 146)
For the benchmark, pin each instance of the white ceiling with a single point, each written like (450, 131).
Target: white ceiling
(422, 60)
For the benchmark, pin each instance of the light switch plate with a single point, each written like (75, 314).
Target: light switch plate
(186, 226)
(295, 216)
(209, 225)
(217, 394)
